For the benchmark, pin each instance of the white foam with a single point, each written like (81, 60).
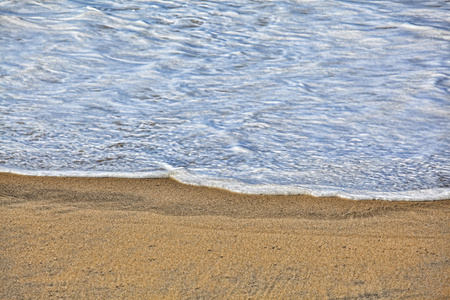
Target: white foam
(186, 177)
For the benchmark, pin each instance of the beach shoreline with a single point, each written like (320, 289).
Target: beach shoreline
(112, 237)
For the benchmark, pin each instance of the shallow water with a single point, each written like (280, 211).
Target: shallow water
(347, 98)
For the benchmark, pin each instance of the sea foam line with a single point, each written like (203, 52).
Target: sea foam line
(186, 177)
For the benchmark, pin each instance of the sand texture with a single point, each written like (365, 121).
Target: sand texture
(93, 238)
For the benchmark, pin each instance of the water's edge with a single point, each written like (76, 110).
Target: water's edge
(183, 176)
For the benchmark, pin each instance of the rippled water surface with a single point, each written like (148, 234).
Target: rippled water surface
(348, 98)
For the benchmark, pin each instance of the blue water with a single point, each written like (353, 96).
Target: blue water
(345, 98)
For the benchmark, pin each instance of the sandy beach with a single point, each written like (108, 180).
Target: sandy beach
(159, 239)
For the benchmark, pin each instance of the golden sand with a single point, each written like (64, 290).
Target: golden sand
(103, 238)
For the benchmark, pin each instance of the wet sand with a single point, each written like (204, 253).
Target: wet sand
(156, 238)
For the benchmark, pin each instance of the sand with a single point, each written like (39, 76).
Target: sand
(159, 239)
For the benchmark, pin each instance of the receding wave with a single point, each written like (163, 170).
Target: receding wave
(342, 98)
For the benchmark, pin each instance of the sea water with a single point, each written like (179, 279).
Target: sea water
(321, 97)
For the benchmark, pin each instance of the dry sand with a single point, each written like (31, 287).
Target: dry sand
(156, 238)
